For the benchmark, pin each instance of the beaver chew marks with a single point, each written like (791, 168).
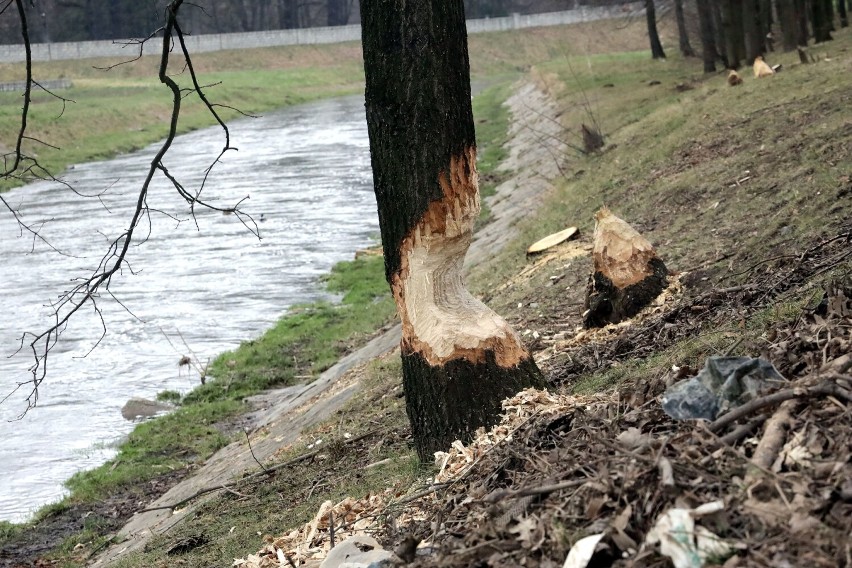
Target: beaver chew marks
(627, 275)
(441, 321)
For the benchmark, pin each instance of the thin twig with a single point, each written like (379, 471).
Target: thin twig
(251, 450)
(826, 389)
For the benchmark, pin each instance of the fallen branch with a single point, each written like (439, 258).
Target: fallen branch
(826, 389)
(773, 437)
(542, 490)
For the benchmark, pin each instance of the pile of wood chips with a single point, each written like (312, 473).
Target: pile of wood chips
(773, 486)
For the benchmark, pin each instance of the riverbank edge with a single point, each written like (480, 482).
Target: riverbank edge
(208, 417)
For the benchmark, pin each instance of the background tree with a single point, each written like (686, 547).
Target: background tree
(801, 22)
(787, 21)
(843, 13)
(459, 358)
(651, 17)
(683, 37)
(732, 22)
(708, 38)
(752, 31)
(821, 19)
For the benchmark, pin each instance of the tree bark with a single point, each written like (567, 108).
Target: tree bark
(733, 25)
(801, 22)
(821, 19)
(751, 31)
(843, 13)
(683, 37)
(708, 40)
(719, 31)
(651, 17)
(459, 359)
(787, 20)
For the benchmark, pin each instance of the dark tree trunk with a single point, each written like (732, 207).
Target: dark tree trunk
(288, 14)
(651, 16)
(787, 20)
(844, 15)
(683, 36)
(801, 22)
(459, 358)
(338, 12)
(708, 41)
(719, 31)
(821, 20)
(733, 26)
(766, 19)
(751, 31)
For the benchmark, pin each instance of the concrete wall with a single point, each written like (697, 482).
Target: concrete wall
(217, 42)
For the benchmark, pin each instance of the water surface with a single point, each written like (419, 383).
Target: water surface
(307, 172)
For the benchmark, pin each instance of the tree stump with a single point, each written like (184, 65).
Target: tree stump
(627, 275)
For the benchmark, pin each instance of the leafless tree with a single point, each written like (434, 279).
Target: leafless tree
(19, 164)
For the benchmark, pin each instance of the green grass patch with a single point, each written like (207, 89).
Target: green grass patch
(491, 118)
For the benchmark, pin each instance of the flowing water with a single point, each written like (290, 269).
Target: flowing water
(205, 288)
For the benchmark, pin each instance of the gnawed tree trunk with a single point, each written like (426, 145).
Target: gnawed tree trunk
(651, 18)
(627, 275)
(708, 40)
(459, 358)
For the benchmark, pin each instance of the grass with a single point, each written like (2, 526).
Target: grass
(492, 132)
(234, 526)
(114, 115)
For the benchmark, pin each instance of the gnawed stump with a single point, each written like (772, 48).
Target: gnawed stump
(627, 275)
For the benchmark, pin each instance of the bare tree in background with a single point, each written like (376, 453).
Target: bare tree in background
(683, 37)
(651, 17)
(21, 163)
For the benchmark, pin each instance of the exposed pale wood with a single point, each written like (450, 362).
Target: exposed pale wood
(627, 275)
(761, 69)
(552, 240)
(441, 320)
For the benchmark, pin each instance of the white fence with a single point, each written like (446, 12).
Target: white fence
(218, 42)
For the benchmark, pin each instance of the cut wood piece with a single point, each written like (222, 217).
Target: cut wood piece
(552, 240)
(761, 69)
(627, 275)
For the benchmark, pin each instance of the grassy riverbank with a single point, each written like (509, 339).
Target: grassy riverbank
(126, 108)
(308, 340)
(717, 181)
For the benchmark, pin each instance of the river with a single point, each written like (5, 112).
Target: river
(307, 172)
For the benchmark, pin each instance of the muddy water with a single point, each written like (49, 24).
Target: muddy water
(202, 287)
